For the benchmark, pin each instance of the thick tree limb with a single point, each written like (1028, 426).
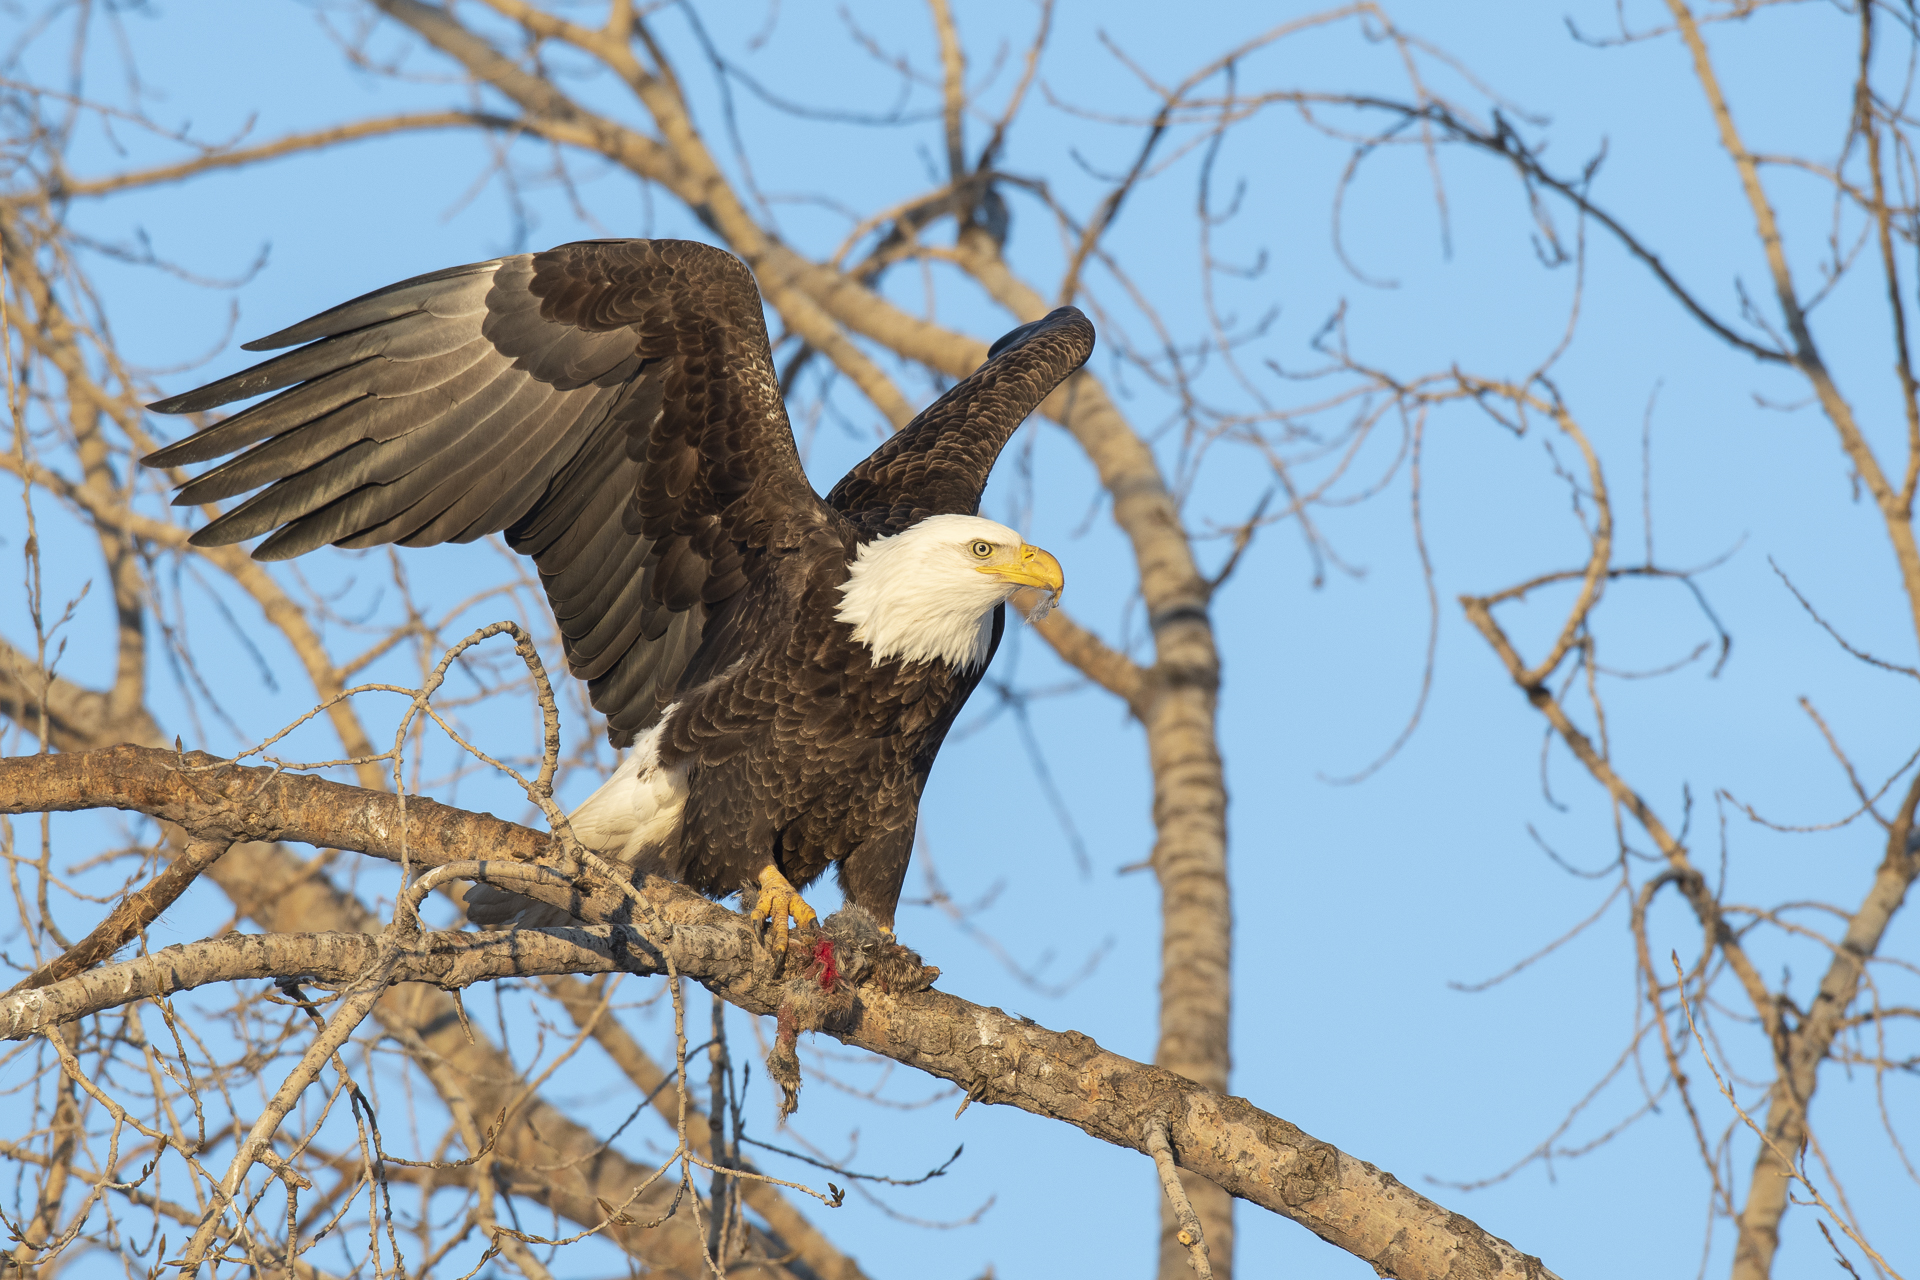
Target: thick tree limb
(450, 961)
(996, 1057)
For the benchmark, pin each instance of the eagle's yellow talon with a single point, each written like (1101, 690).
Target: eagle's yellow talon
(779, 902)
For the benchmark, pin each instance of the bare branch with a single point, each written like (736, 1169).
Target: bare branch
(996, 1057)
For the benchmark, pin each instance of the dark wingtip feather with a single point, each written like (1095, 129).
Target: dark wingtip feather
(221, 533)
(179, 451)
(212, 535)
(1010, 337)
(242, 523)
(211, 396)
(289, 336)
(292, 539)
(173, 404)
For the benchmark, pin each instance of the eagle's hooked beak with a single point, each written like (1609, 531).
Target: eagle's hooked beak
(1034, 568)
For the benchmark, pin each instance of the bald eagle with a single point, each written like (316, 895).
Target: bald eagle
(783, 667)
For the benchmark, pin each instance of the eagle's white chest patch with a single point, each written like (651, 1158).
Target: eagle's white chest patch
(637, 810)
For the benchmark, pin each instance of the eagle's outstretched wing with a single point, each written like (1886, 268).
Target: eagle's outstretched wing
(938, 463)
(611, 405)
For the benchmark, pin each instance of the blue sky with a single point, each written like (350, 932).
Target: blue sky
(1356, 906)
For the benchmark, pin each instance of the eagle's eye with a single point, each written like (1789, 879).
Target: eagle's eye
(982, 550)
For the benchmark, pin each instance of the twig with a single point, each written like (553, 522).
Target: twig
(139, 910)
(1792, 1170)
(1155, 1136)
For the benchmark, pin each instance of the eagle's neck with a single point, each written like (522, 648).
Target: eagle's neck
(909, 598)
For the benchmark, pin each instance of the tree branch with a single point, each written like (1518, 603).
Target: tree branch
(136, 912)
(292, 144)
(996, 1057)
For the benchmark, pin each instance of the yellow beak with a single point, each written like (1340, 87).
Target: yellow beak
(1034, 568)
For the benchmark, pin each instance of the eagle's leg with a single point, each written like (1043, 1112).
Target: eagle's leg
(780, 901)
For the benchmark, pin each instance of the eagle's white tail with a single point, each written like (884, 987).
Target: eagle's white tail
(632, 819)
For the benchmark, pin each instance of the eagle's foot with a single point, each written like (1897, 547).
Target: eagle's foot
(778, 902)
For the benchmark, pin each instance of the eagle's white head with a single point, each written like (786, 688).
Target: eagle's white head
(927, 594)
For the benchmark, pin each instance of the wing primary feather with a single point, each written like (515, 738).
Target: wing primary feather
(516, 457)
(415, 294)
(415, 518)
(282, 371)
(357, 484)
(286, 411)
(398, 420)
(289, 499)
